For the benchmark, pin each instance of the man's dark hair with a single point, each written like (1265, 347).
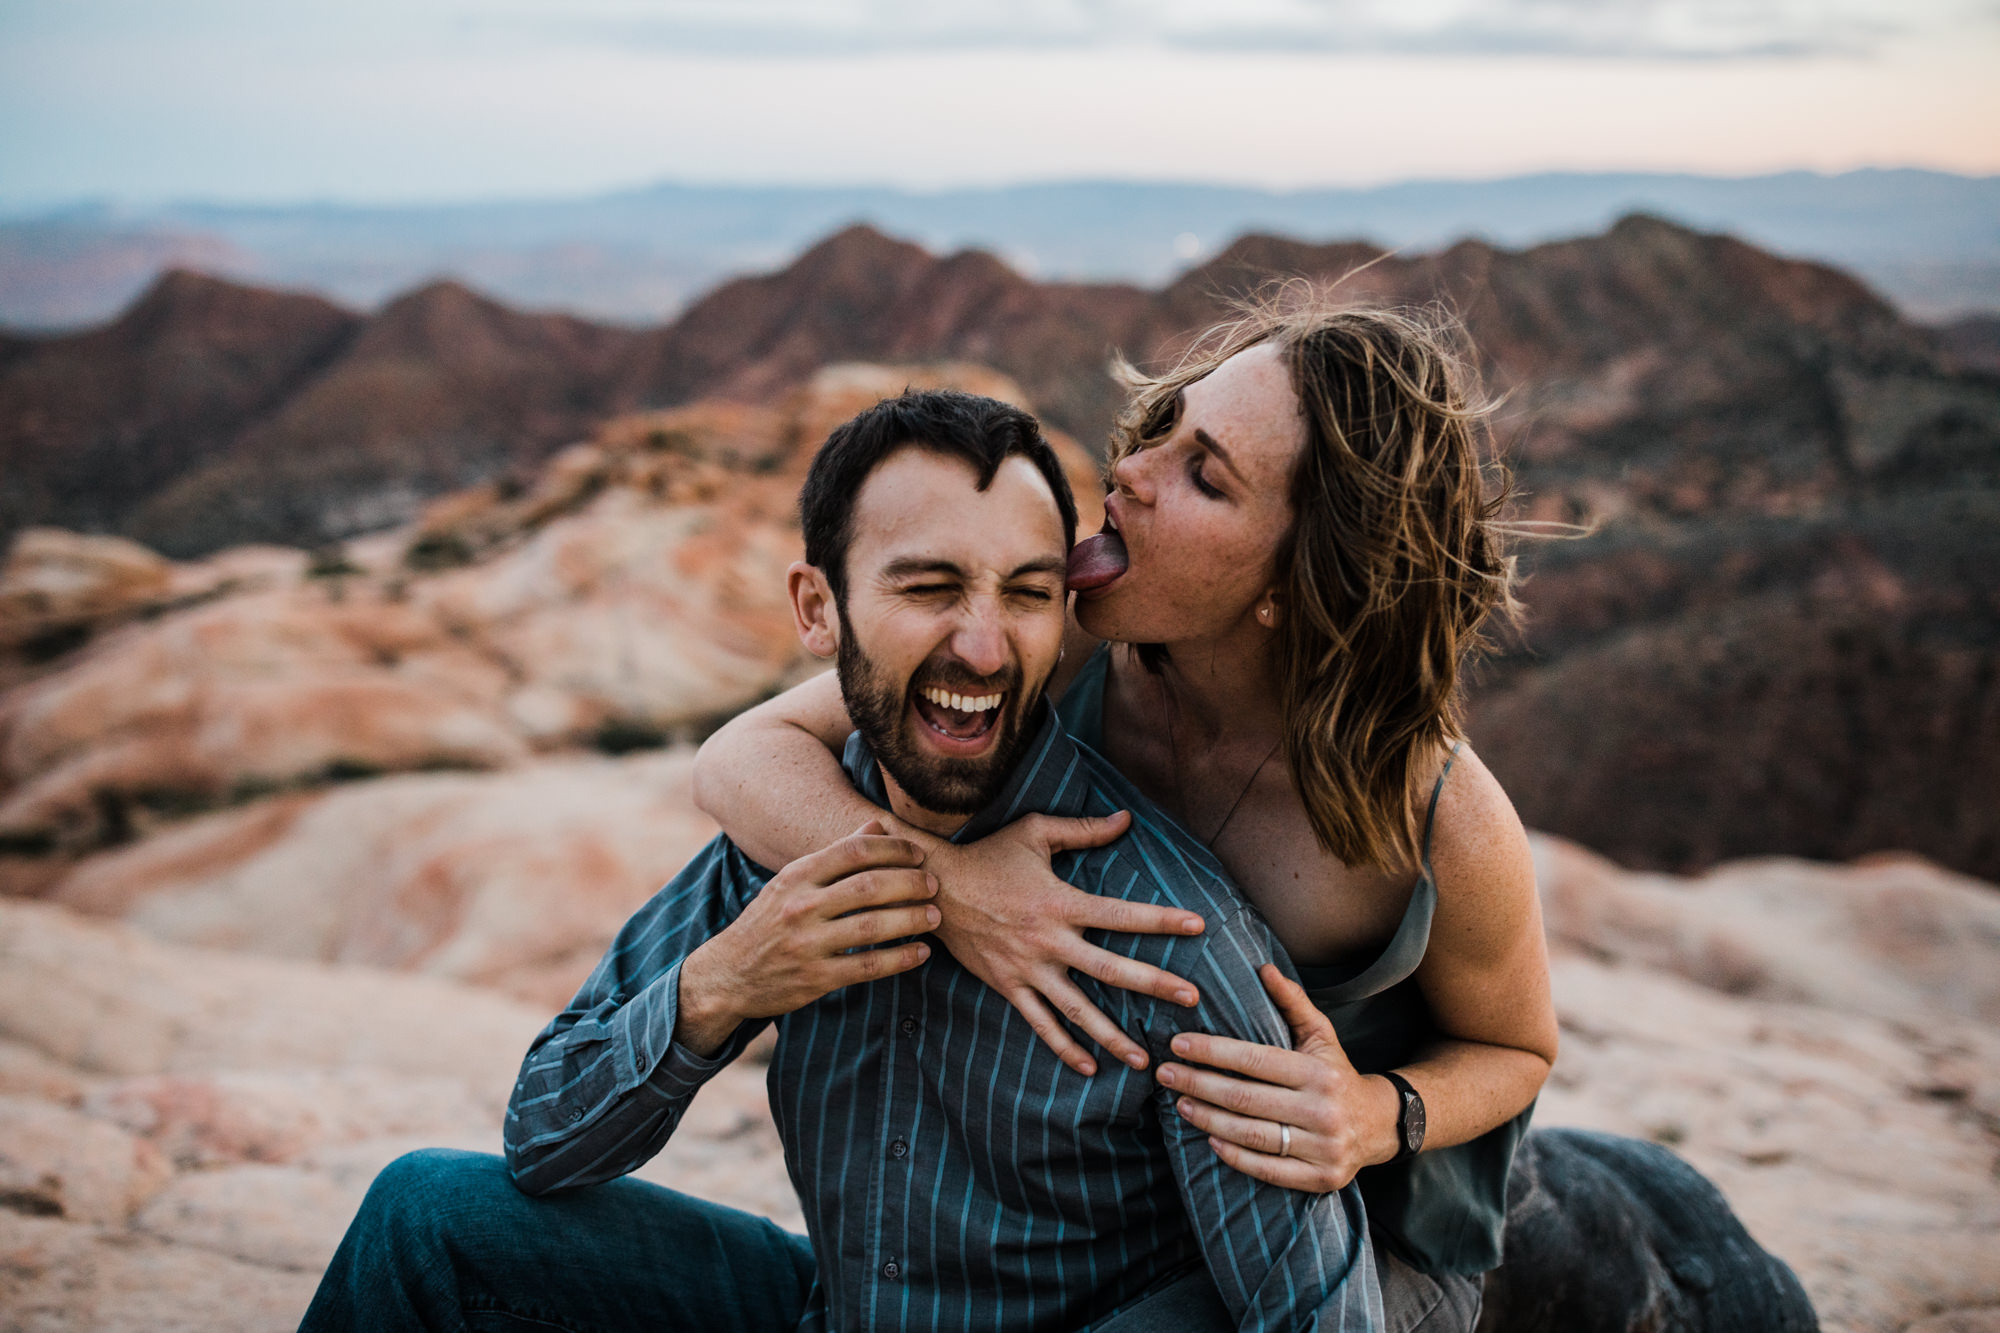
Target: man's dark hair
(983, 431)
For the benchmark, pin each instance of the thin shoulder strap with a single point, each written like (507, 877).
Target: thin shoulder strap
(1430, 815)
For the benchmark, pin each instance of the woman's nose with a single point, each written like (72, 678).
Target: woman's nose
(1132, 475)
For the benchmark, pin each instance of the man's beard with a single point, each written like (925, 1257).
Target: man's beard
(883, 711)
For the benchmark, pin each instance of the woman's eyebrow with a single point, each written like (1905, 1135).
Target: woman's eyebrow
(1214, 446)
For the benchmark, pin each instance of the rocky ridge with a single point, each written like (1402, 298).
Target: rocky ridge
(1649, 332)
(1778, 636)
(631, 591)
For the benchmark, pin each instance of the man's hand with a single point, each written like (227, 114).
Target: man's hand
(790, 945)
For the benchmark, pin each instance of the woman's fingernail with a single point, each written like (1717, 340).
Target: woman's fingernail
(1166, 1075)
(1183, 1106)
(1186, 997)
(1086, 1068)
(932, 915)
(930, 880)
(1181, 1045)
(1192, 925)
(1136, 1060)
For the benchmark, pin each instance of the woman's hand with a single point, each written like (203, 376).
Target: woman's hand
(1019, 928)
(1340, 1120)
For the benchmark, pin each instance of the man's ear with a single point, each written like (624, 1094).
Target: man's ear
(813, 611)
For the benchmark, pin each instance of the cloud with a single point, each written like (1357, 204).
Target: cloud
(1617, 29)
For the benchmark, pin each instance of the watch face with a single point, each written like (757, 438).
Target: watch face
(1413, 1122)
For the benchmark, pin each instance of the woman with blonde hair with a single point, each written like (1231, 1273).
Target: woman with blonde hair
(1302, 550)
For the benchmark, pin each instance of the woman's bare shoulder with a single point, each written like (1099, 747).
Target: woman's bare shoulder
(1478, 844)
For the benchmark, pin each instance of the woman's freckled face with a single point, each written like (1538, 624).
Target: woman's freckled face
(1204, 511)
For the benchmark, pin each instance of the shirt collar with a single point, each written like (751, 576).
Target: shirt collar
(1035, 785)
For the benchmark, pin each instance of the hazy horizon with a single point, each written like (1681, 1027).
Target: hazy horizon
(15, 208)
(1923, 239)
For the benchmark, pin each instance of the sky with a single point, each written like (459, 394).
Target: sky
(443, 100)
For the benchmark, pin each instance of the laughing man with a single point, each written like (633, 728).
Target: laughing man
(954, 1173)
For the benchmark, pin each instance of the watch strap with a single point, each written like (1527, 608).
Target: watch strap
(1409, 1118)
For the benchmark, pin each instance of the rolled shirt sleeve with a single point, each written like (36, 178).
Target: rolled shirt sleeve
(604, 1084)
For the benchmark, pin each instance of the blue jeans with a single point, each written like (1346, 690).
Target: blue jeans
(444, 1241)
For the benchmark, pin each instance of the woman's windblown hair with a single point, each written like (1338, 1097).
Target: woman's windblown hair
(1395, 562)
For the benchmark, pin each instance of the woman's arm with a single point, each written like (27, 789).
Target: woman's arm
(1486, 973)
(1486, 978)
(770, 778)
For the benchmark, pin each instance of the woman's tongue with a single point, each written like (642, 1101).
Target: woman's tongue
(1096, 561)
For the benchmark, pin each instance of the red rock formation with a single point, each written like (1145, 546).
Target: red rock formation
(859, 296)
(515, 881)
(630, 591)
(92, 424)
(249, 693)
(1700, 342)
(1745, 429)
(440, 388)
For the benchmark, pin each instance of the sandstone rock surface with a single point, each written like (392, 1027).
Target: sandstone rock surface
(630, 592)
(515, 880)
(178, 1122)
(1892, 937)
(185, 1133)
(255, 691)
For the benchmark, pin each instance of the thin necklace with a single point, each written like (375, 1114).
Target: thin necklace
(1174, 753)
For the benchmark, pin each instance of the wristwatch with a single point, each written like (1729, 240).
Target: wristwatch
(1409, 1121)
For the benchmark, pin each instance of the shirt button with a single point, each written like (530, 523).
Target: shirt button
(575, 1116)
(892, 1270)
(909, 1026)
(899, 1149)
(639, 1063)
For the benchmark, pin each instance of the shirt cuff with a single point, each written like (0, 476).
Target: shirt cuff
(647, 1051)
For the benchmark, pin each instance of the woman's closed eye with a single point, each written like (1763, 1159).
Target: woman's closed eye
(1201, 483)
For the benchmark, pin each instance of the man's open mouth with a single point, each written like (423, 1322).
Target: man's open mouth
(962, 718)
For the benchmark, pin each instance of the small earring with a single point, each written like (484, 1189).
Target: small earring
(1263, 613)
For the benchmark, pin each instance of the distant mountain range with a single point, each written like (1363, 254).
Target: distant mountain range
(1928, 241)
(1782, 635)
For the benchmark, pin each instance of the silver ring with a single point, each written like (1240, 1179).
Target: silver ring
(1284, 1140)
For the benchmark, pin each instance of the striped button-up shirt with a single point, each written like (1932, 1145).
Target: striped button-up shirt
(954, 1173)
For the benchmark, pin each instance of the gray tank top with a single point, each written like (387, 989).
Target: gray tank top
(1444, 1209)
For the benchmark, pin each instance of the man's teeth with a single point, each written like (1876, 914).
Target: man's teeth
(964, 703)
